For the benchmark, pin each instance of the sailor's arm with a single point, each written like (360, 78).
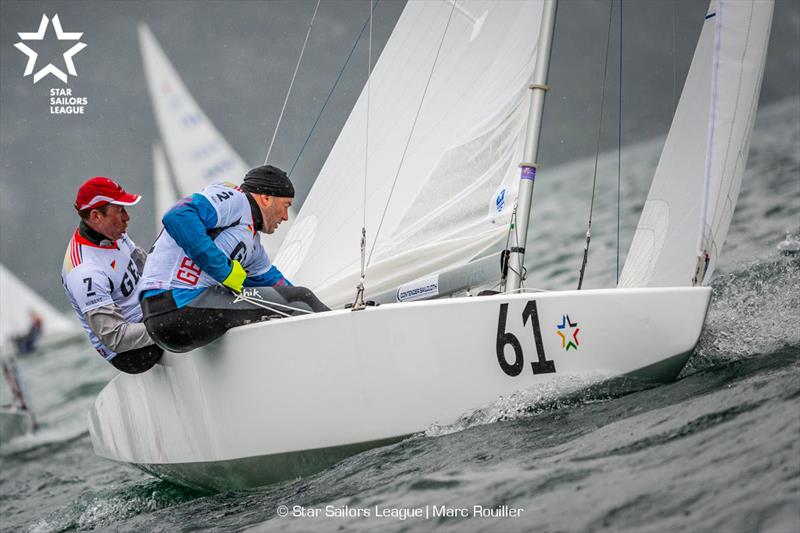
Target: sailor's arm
(260, 273)
(187, 223)
(271, 278)
(114, 331)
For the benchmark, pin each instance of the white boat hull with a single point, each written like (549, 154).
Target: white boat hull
(282, 399)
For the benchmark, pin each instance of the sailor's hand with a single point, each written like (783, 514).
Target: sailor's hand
(235, 279)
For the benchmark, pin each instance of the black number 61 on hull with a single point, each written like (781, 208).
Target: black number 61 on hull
(542, 365)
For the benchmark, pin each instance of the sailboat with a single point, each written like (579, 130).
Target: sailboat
(19, 304)
(455, 105)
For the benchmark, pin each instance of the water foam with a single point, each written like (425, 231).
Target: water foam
(556, 393)
(755, 309)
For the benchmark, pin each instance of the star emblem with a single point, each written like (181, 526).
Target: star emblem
(38, 35)
(568, 331)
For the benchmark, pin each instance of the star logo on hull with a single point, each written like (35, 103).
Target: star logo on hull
(61, 35)
(568, 331)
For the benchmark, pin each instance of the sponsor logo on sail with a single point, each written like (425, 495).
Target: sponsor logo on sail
(568, 332)
(500, 201)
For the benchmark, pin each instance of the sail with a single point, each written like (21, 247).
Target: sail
(198, 154)
(690, 204)
(165, 195)
(18, 301)
(448, 103)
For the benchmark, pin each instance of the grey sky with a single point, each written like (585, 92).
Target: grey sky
(237, 59)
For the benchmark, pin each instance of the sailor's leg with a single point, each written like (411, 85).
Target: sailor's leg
(201, 321)
(138, 360)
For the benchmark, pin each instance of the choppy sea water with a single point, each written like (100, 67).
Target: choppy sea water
(718, 450)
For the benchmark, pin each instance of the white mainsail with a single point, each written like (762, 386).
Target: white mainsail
(198, 154)
(456, 178)
(700, 171)
(17, 301)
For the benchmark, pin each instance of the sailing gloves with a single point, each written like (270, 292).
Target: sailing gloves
(235, 279)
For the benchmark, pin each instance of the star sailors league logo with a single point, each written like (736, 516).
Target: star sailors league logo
(38, 35)
(62, 101)
(568, 332)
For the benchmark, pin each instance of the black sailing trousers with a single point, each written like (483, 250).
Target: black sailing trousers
(216, 311)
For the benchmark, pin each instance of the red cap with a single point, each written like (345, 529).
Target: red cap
(100, 191)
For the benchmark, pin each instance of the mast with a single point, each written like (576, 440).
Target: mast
(539, 88)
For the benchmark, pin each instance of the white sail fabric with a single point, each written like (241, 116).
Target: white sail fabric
(164, 191)
(17, 301)
(697, 181)
(198, 153)
(457, 183)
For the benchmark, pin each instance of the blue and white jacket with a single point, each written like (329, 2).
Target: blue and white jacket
(202, 234)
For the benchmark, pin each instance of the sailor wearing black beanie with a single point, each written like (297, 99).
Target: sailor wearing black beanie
(268, 180)
(270, 193)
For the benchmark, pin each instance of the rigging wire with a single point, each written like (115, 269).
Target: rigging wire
(359, 300)
(411, 134)
(619, 139)
(597, 151)
(674, 54)
(330, 93)
(291, 84)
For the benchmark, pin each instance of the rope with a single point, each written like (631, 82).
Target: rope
(512, 227)
(258, 302)
(358, 303)
(291, 84)
(330, 93)
(411, 134)
(597, 151)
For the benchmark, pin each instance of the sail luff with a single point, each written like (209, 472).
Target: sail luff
(743, 31)
(700, 170)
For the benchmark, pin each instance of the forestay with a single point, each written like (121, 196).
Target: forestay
(457, 184)
(691, 201)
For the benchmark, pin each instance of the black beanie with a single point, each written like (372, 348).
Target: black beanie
(268, 180)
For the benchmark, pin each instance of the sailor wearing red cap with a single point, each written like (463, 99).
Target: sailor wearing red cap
(101, 273)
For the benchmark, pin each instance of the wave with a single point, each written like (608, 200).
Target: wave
(754, 310)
